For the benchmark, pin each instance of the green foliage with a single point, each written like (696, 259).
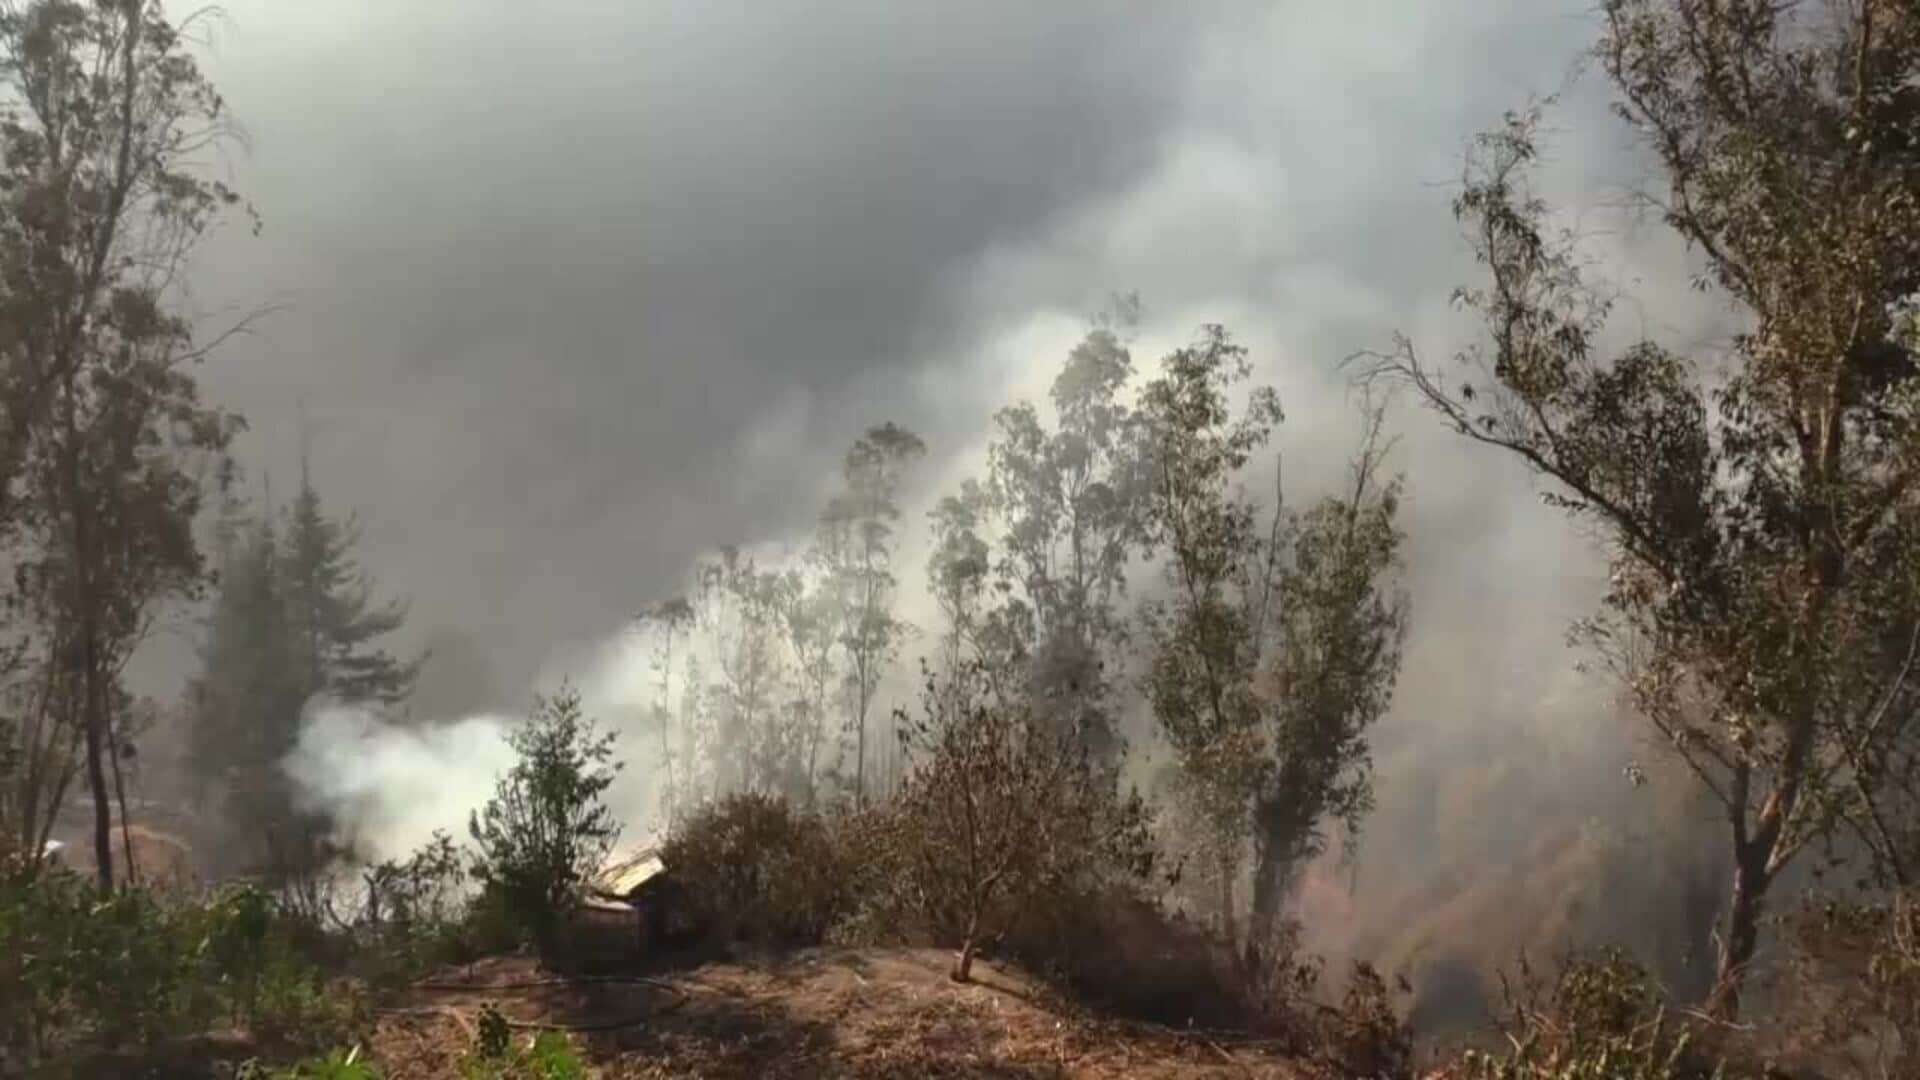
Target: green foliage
(545, 830)
(754, 867)
(128, 969)
(106, 110)
(547, 1056)
(242, 918)
(1069, 505)
(331, 613)
(552, 1057)
(1338, 621)
(1759, 499)
(334, 1065)
(121, 969)
(1220, 571)
(1602, 1018)
(1275, 650)
(856, 546)
(102, 430)
(416, 912)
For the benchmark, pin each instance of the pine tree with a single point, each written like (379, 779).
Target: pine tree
(291, 620)
(331, 612)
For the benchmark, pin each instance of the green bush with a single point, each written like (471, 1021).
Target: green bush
(545, 830)
(337, 1065)
(1603, 1018)
(129, 969)
(120, 970)
(547, 1056)
(417, 915)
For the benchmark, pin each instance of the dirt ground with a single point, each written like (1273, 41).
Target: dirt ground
(818, 1013)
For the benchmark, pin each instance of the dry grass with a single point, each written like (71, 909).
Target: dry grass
(821, 1012)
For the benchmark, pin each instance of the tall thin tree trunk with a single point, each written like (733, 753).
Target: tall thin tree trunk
(1280, 837)
(126, 820)
(963, 963)
(817, 713)
(1742, 940)
(860, 747)
(102, 806)
(1268, 875)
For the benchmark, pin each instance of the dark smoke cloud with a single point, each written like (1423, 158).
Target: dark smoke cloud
(571, 293)
(553, 275)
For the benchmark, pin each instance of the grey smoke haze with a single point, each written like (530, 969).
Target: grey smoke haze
(574, 292)
(572, 295)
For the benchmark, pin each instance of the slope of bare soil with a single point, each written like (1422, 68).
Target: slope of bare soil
(818, 1013)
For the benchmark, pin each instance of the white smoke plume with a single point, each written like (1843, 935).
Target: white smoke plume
(389, 786)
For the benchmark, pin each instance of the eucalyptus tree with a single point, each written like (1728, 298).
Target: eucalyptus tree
(1759, 501)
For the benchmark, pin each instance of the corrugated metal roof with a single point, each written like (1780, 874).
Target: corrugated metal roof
(622, 877)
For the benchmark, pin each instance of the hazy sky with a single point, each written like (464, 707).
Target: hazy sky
(573, 291)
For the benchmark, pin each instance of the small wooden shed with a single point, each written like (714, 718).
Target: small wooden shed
(640, 886)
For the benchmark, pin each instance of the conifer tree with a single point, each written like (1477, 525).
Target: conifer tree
(292, 620)
(331, 613)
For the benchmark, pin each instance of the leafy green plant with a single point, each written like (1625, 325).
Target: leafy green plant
(121, 969)
(131, 968)
(545, 829)
(236, 941)
(416, 913)
(335, 1065)
(547, 1056)
(494, 1039)
(1603, 1018)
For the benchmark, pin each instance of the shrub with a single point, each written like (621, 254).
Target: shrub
(128, 969)
(122, 969)
(1004, 823)
(1365, 1036)
(1603, 1018)
(336, 1065)
(545, 830)
(755, 868)
(417, 913)
(546, 1056)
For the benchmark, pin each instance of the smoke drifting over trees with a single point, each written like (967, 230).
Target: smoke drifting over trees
(761, 377)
